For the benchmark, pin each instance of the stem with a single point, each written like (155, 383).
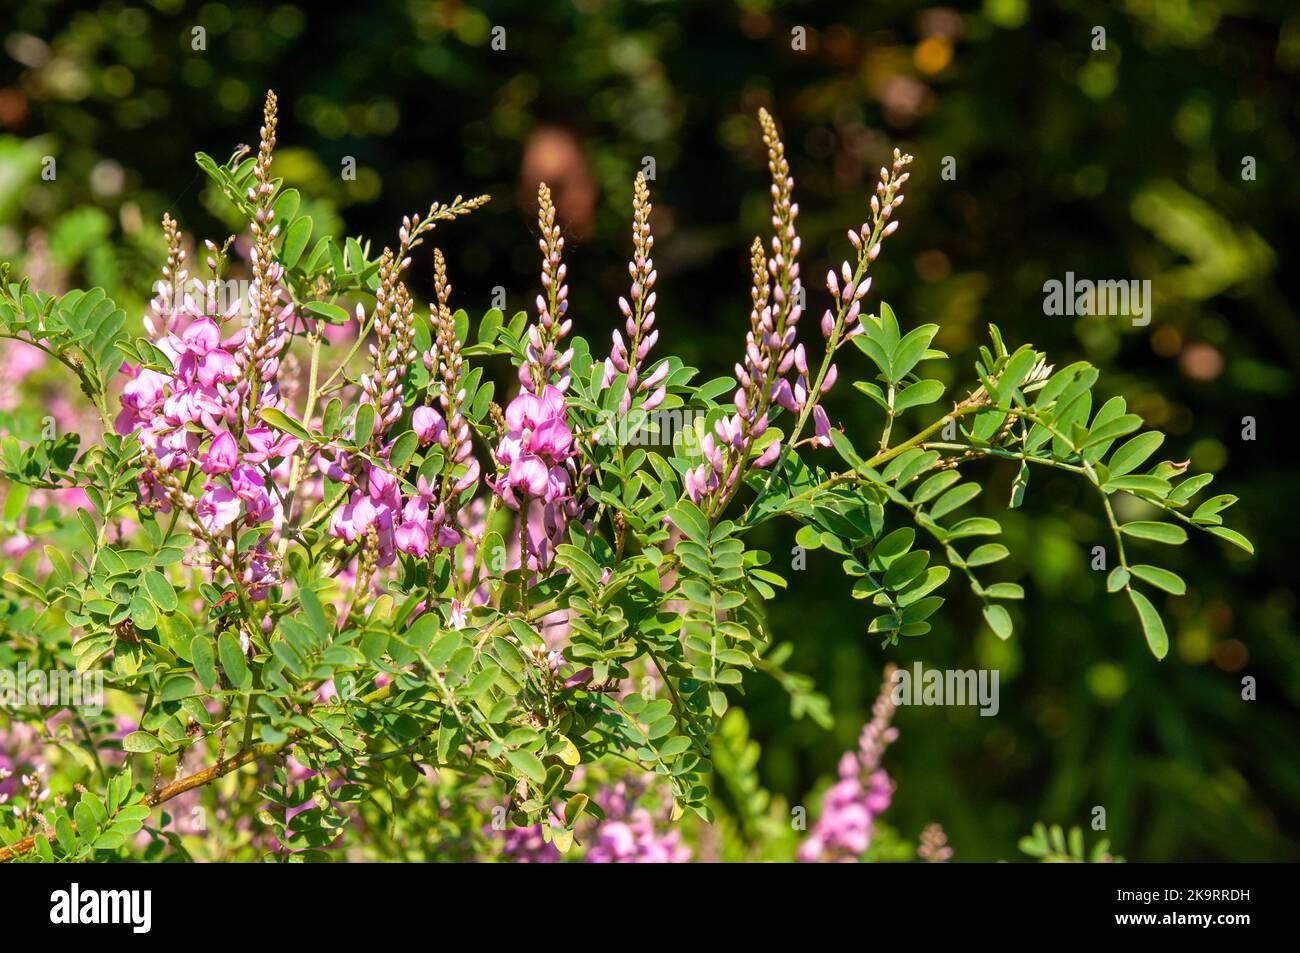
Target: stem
(523, 553)
(472, 583)
(362, 332)
(889, 420)
(300, 464)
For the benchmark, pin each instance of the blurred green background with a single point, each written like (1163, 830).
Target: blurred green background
(1119, 163)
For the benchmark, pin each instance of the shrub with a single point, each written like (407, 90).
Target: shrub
(408, 604)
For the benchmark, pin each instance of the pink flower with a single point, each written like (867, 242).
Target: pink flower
(822, 425)
(217, 508)
(528, 412)
(428, 425)
(247, 483)
(784, 396)
(217, 366)
(457, 618)
(552, 439)
(700, 482)
(769, 455)
(413, 538)
(382, 487)
(528, 477)
(201, 337)
(535, 448)
(266, 443)
(260, 507)
(412, 535)
(221, 456)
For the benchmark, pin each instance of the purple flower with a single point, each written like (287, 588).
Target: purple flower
(429, 426)
(201, 337)
(217, 508)
(863, 792)
(247, 482)
(528, 477)
(537, 444)
(222, 456)
(822, 426)
(266, 443)
(412, 535)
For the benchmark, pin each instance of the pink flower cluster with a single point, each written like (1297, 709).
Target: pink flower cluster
(639, 315)
(205, 394)
(535, 448)
(863, 792)
(526, 845)
(849, 810)
(635, 841)
(536, 456)
(629, 834)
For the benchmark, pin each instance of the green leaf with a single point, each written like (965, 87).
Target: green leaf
(67, 836)
(1149, 485)
(86, 821)
(176, 687)
(1208, 511)
(906, 568)
(934, 485)
(332, 313)
(528, 764)
(1190, 487)
(688, 517)
(808, 537)
(1112, 430)
(958, 496)
(232, 660)
(295, 240)
(110, 840)
(141, 742)
(1168, 533)
(1232, 536)
(1160, 578)
(1005, 590)
(205, 666)
(490, 326)
(999, 621)
(160, 590)
(330, 419)
(143, 614)
(282, 421)
(915, 395)
(975, 526)
(402, 450)
(1134, 453)
(1019, 486)
(314, 612)
(1017, 366)
(1152, 626)
(365, 424)
(987, 553)
(910, 351)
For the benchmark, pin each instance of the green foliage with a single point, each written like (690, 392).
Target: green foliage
(855, 519)
(1051, 845)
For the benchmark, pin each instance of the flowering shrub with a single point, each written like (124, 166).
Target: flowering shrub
(439, 622)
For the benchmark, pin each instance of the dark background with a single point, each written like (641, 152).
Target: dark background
(1114, 164)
